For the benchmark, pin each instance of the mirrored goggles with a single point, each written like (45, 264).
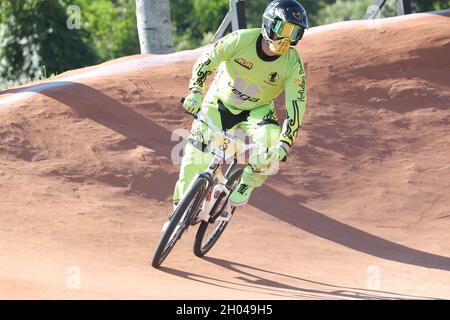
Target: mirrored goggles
(284, 29)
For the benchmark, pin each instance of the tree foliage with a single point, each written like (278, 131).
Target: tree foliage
(194, 21)
(342, 10)
(429, 5)
(33, 34)
(111, 25)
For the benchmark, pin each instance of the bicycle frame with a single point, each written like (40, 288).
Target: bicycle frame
(220, 157)
(200, 190)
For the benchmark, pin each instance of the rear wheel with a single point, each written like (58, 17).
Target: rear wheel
(209, 232)
(180, 220)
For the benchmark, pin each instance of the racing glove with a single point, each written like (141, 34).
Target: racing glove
(278, 152)
(193, 102)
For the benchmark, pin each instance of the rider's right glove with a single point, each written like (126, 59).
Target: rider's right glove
(193, 102)
(278, 152)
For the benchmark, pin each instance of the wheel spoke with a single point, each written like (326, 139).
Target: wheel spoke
(208, 233)
(180, 221)
(211, 232)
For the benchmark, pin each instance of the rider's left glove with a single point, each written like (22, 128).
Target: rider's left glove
(193, 102)
(278, 152)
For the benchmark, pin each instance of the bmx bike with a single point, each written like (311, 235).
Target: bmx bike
(206, 199)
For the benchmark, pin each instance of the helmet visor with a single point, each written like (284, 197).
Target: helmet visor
(285, 29)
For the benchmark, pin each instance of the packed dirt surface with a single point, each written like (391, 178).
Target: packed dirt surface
(361, 210)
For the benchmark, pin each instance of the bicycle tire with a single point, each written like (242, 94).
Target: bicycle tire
(201, 249)
(182, 214)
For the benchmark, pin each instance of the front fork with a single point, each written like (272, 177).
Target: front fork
(230, 168)
(214, 193)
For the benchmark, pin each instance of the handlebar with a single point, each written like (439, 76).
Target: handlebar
(222, 132)
(191, 114)
(199, 117)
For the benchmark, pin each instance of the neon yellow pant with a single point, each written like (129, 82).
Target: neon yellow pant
(260, 124)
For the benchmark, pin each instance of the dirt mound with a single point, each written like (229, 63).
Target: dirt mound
(360, 211)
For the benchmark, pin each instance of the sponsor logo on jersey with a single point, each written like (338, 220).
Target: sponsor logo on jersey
(301, 82)
(246, 64)
(242, 96)
(273, 78)
(302, 89)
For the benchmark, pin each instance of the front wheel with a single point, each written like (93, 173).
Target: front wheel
(180, 220)
(209, 232)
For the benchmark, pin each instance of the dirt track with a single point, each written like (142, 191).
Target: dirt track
(361, 211)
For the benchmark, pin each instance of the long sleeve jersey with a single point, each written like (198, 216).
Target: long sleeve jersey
(247, 78)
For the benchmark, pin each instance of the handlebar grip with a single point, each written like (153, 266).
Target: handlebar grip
(182, 101)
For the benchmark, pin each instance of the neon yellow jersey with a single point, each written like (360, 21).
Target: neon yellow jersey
(247, 78)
